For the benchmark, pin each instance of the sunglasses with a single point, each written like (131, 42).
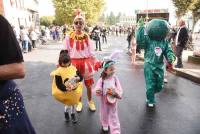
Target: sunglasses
(78, 22)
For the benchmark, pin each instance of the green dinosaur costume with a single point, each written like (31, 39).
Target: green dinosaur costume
(156, 47)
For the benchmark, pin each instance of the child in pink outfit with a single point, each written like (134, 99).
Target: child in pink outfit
(108, 86)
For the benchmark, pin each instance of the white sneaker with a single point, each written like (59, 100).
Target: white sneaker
(165, 80)
(150, 105)
(105, 128)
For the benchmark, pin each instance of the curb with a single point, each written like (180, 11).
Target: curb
(194, 59)
(182, 73)
(190, 76)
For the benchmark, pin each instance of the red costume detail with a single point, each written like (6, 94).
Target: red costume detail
(80, 64)
(89, 82)
(71, 42)
(77, 45)
(82, 44)
(87, 42)
(98, 65)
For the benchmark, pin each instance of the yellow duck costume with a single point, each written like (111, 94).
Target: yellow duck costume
(68, 97)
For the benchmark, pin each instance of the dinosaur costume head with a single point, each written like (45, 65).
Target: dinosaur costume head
(157, 29)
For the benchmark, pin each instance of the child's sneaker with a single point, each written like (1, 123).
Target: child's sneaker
(79, 107)
(74, 118)
(92, 106)
(67, 117)
(105, 128)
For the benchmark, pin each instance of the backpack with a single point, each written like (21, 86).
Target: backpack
(95, 36)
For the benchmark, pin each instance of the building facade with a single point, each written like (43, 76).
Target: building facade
(20, 12)
(127, 21)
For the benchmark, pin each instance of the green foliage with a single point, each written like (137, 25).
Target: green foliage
(182, 6)
(102, 18)
(118, 17)
(46, 20)
(65, 10)
(195, 8)
(111, 19)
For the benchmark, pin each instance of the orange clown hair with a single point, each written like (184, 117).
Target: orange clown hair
(78, 15)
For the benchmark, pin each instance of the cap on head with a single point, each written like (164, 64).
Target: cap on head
(108, 63)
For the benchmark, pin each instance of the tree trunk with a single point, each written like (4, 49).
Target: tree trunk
(195, 17)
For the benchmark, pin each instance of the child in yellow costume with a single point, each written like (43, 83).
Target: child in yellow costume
(67, 86)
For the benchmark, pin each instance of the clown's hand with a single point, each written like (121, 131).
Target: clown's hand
(98, 64)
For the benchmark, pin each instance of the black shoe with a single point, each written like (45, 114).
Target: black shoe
(178, 66)
(74, 118)
(67, 117)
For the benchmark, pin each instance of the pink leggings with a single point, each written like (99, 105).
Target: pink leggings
(109, 116)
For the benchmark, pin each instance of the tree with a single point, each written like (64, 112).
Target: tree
(46, 20)
(65, 10)
(118, 17)
(195, 8)
(182, 6)
(102, 18)
(111, 19)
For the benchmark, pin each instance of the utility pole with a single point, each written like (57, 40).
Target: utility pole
(147, 8)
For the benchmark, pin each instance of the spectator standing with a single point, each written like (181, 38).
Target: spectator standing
(24, 39)
(96, 37)
(33, 37)
(13, 116)
(181, 41)
(103, 35)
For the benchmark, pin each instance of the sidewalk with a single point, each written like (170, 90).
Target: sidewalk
(189, 71)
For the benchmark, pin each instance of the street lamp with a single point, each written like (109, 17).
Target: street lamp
(147, 15)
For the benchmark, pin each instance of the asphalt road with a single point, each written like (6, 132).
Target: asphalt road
(177, 110)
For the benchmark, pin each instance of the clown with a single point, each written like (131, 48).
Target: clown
(80, 51)
(156, 47)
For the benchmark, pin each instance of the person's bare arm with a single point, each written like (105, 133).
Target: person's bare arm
(12, 71)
